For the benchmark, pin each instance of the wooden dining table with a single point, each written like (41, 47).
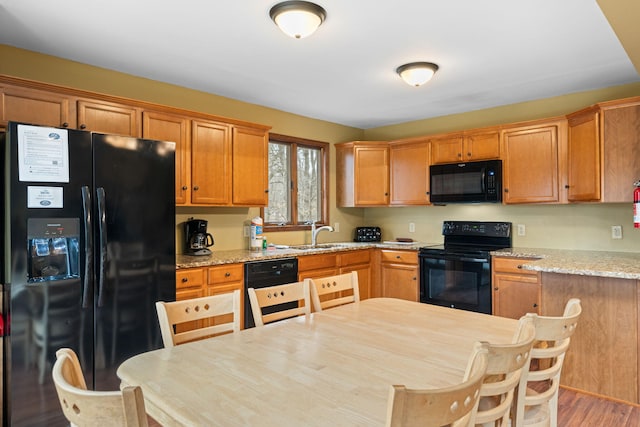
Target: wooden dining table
(329, 368)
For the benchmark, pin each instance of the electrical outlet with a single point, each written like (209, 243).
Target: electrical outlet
(616, 232)
(412, 227)
(336, 227)
(522, 230)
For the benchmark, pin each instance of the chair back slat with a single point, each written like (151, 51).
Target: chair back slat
(332, 291)
(273, 296)
(205, 311)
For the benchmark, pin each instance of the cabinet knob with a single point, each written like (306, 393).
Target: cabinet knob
(414, 278)
(397, 256)
(185, 188)
(566, 186)
(506, 190)
(65, 125)
(227, 274)
(185, 280)
(496, 288)
(266, 191)
(535, 305)
(459, 155)
(468, 154)
(196, 188)
(83, 126)
(519, 266)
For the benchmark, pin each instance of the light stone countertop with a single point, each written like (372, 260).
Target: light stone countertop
(245, 255)
(623, 265)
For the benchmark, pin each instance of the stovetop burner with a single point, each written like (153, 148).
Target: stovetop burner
(472, 237)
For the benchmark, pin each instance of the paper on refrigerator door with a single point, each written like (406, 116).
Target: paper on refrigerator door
(43, 154)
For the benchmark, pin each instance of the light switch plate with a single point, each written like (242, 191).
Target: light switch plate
(616, 232)
(522, 230)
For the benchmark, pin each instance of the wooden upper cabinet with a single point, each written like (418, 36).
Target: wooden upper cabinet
(409, 172)
(531, 162)
(362, 173)
(210, 163)
(168, 127)
(583, 156)
(108, 117)
(473, 145)
(621, 148)
(250, 153)
(36, 107)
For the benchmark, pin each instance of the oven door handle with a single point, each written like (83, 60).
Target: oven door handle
(474, 259)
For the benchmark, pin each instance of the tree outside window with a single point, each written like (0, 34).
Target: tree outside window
(298, 171)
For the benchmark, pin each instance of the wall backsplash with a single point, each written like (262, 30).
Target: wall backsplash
(583, 226)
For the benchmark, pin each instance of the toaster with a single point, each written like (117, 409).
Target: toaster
(367, 234)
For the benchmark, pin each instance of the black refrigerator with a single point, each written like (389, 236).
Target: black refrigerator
(88, 224)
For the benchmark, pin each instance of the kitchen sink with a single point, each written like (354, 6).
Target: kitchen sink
(320, 246)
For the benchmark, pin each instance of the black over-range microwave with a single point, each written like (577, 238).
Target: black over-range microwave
(470, 182)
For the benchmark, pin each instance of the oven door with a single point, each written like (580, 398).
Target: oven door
(457, 281)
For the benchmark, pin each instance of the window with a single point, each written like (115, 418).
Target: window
(298, 176)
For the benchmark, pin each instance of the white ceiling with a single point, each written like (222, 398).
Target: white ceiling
(490, 53)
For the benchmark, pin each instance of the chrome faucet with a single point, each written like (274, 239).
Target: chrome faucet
(315, 231)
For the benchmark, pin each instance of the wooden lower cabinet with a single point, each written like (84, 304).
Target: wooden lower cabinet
(323, 265)
(603, 355)
(516, 292)
(399, 274)
(200, 282)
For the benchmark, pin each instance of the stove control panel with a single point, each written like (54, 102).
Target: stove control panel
(476, 228)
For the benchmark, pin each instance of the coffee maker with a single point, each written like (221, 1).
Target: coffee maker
(197, 240)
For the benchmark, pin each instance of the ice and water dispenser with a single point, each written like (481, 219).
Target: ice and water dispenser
(54, 252)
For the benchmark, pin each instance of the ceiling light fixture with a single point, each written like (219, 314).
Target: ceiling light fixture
(297, 19)
(417, 73)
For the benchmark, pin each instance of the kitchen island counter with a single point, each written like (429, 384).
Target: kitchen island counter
(622, 265)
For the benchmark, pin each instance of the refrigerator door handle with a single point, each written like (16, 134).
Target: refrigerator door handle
(88, 245)
(102, 235)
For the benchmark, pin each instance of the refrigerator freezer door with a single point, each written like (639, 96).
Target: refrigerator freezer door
(45, 312)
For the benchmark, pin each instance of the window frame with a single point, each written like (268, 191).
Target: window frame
(294, 142)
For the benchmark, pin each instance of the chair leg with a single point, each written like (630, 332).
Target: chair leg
(553, 410)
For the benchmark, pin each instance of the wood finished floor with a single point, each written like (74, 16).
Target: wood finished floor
(582, 410)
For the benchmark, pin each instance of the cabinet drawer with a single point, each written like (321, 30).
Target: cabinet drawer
(399, 257)
(511, 265)
(355, 257)
(226, 273)
(189, 278)
(314, 262)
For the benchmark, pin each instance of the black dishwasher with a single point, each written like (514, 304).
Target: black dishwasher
(261, 274)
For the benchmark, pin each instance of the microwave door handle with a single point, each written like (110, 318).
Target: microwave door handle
(484, 181)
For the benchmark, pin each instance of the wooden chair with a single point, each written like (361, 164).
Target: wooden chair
(83, 407)
(279, 302)
(455, 405)
(202, 310)
(533, 406)
(504, 372)
(330, 291)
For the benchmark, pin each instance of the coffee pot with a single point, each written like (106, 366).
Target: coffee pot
(197, 240)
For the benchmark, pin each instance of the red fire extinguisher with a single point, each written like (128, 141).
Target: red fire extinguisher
(636, 205)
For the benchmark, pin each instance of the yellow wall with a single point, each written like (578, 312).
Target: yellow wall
(575, 226)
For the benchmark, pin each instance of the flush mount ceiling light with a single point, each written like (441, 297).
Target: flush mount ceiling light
(417, 73)
(297, 19)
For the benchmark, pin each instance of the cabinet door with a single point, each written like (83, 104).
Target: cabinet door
(530, 167)
(583, 158)
(621, 167)
(400, 281)
(104, 117)
(482, 146)
(409, 170)
(515, 295)
(210, 163)
(35, 107)
(364, 278)
(166, 127)
(446, 149)
(250, 167)
(371, 176)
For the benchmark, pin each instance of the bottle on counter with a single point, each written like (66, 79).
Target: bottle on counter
(256, 234)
